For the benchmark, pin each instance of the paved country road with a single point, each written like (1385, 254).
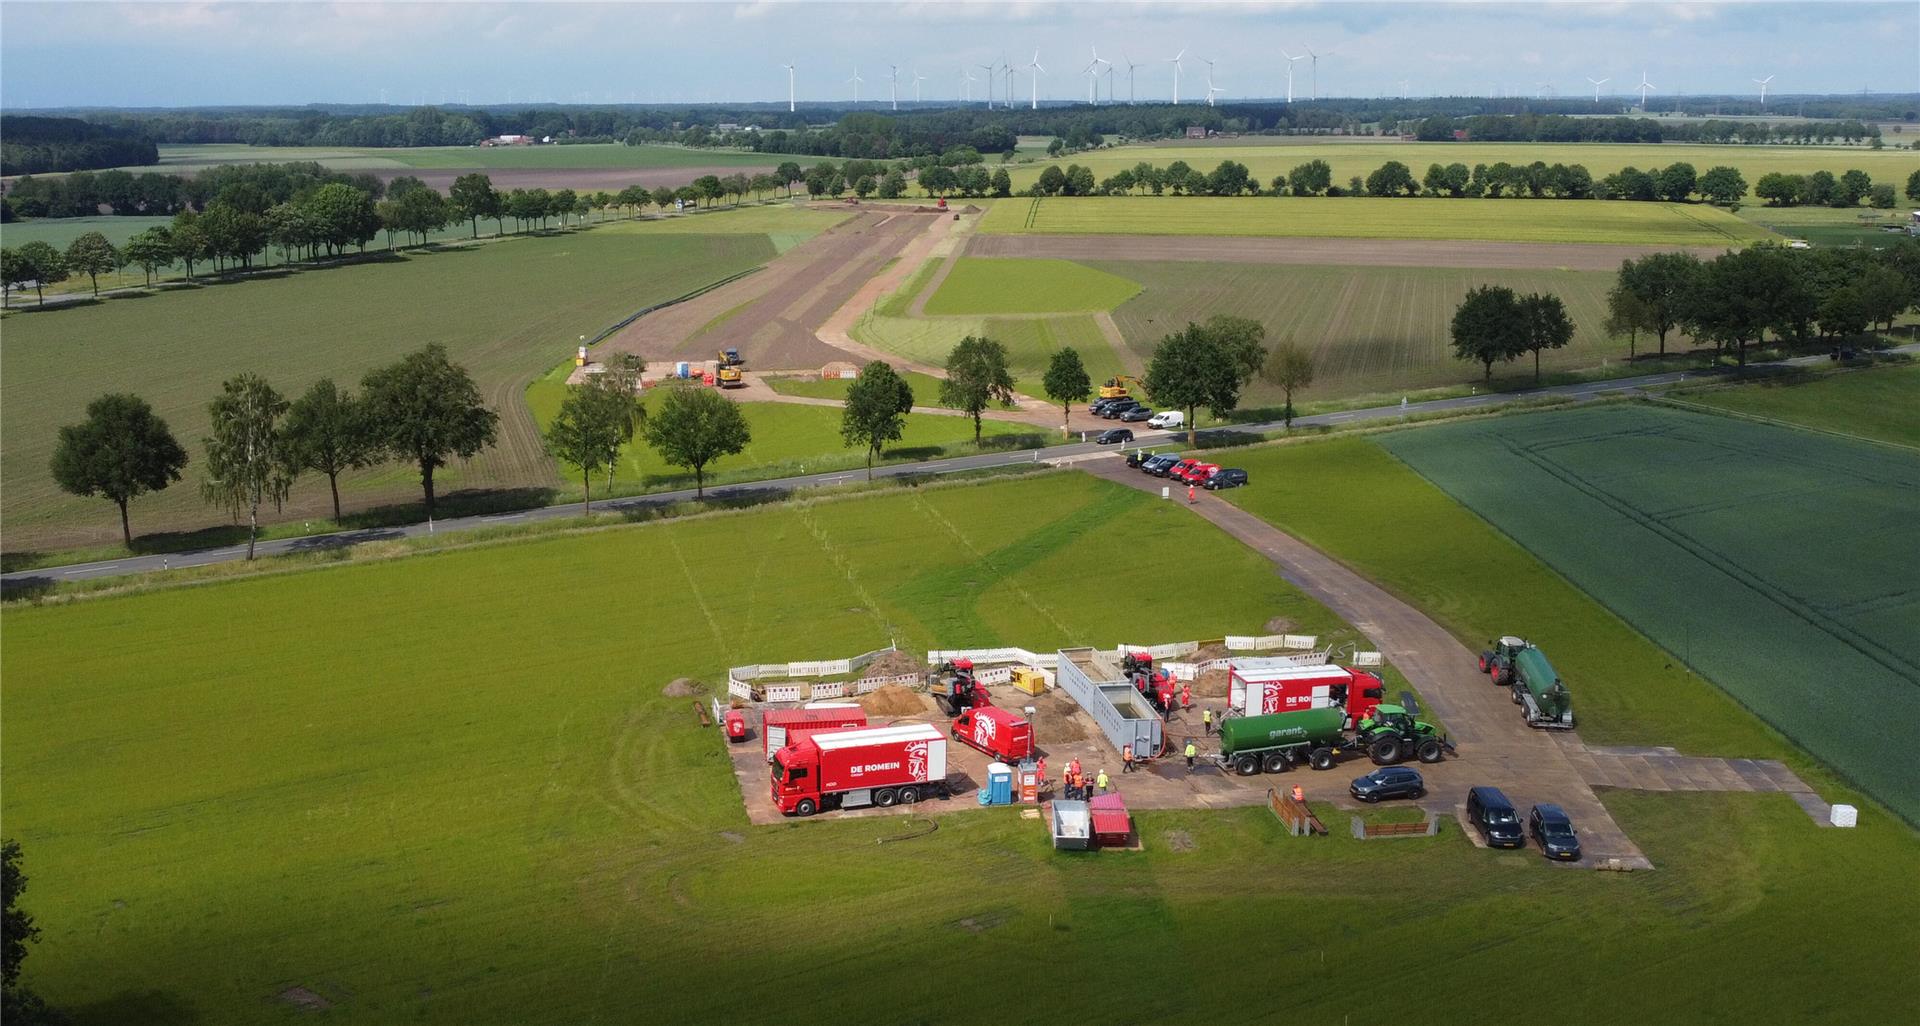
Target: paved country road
(201, 557)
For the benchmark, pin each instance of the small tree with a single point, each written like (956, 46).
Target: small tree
(618, 385)
(1066, 382)
(1547, 324)
(1627, 315)
(694, 426)
(246, 465)
(1488, 327)
(326, 430)
(41, 264)
(977, 375)
(92, 255)
(585, 430)
(426, 409)
(876, 410)
(1290, 368)
(150, 250)
(120, 452)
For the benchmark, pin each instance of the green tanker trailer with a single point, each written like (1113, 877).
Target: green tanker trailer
(1544, 701)
(1272, 743)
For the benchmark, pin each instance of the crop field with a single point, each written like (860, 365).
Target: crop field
(1361, 158)
(1030, 342)
(1370, 328)
(1014, 286)
(786, 226)
(216, 827)
(1826, 226)
(59, 231)
(1651, 224)
(507, 311)
(585, 155)
(790, 438)
(1779, 563)
(1876, 404)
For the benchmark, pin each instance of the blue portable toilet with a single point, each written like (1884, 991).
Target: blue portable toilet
(999, 789)
(681, 369)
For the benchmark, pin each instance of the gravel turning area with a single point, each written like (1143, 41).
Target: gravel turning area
(771, 316)
(1323, 252)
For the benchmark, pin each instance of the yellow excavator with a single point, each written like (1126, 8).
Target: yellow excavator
(1116, 387)
(729, 377)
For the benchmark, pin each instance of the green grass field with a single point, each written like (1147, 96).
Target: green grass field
(507, 311)
(1872, 404)
(1650, 224)
(527, 830)
(1017, 286)
(1779, 563)
(926, 387)
(1030, 342)
(1826, 226)
(585, 155)
(1361, 157)
(59, 231)
(1370, 328)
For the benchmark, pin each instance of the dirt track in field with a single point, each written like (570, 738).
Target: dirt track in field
(1528, 256)
(591, 179)
(772, 316)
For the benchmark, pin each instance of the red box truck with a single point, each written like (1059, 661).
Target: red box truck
(774, 726)
(1258, 692)
(996, 732)
(850, 769)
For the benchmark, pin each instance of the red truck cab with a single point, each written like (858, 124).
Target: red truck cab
(995, 731)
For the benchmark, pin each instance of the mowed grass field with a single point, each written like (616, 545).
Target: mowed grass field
(59, 231)
(1020, 286)
(584, 155)
(1366, 217)
(1363, 157)
(1030, 341)
(926, 387)
(507, 311)
(1780, 563)
(1880, 403)
(527, 831)
(1369, 328)
(1827, 226)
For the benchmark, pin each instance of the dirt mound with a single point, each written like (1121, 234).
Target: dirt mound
(1279, 625)
(1057, 718)
(893, 664)
(893, 700)
(1208, 653)
(684, 687)
(1211, 684)
(1179, 840)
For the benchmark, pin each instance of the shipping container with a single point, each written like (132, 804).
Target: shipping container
(776, 724)
(1267, 690)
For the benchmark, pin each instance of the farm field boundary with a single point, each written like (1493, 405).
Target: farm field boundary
(1321, 252)
(1776, 562)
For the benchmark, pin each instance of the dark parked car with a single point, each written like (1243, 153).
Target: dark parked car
(1136, 414)
(1161, 464)
(1100, 406)
(1139, 458)
(1493, 815)
(1226, 477)
(1388, 782)
(1112, 435)
(1113, 412)
(1550, 826)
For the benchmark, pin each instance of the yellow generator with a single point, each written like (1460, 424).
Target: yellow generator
(1029, 680)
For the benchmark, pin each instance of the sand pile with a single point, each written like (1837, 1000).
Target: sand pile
(1057, 718)
(1211, 684)
(684, 687)
(893, 700)
(1208, 653)
(893, 664)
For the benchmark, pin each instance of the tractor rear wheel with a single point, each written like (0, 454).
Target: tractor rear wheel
(885, 798)
(1486, 662)
(1275, 762)
(1321, 758)
(909, 795)
(1246, 765)
(805, 807)
(1385, 751)
(1431, 750)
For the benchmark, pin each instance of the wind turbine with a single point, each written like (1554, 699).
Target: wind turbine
(1762, 83)
(856, 80)
(1290, 59)
(1210, 89)
(917, 79)
(1092, 71)
(1130, 67)
(1006, 65)
(1597, 83)
(1403, 88)
(989, 69)
(1109, 83)
(893, 85)
(1316, 69)
(789, 88)
(966, 83)
(1034, 102)
(1175, 61)
(1645, 87)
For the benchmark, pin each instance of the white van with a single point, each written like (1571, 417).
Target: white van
(1167, 419)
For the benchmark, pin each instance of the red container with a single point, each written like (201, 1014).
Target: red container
(735, 724)
(1112, 827)
(996, 732)
(1257, 692)
(775, 725)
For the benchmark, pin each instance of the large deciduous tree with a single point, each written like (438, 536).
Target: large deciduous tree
(246, 464)
(1664, 283)
(1547, 323)
(977, 374)
(474, 195)
(41, 264)
(1723, 185)
(1489, 328)
(326, 430)
(92, 255)
(1741, 295)
(426, 409)
(1192, 368)
(876, 410)
(1627, 315)
(584, 430)
(120, 452)
(693, 426)
(1289, 368)
(149, 250)
(1066, 382)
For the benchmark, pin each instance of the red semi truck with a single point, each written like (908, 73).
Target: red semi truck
(777, 724)
(996, 732)
(851, 769)
(1258, 692)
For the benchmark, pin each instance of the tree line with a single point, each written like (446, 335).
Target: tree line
(32, 145)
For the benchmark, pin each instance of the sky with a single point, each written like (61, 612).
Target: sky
(160, 54)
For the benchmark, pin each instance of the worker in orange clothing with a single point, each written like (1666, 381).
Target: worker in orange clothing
(1299, 795)
(1186, 697)
(1189, 495)
(1040, 774)
(1126, 759)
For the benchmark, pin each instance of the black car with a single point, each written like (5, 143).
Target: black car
(1388, 782)
(1114, 411)
(1550, 826)
(1136, 414)
(1225, 477)
(1163, 465)
(1138, 458)
(1493, 815)
(1112, 435)
(1099, 406)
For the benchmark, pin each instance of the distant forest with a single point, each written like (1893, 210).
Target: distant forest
(30, 145)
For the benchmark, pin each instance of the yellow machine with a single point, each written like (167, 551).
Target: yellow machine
(1115, 388)
(1029, 680)
(729, 377)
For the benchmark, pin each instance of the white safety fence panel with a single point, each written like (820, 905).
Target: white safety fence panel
(1243, 643)
(1368, 659)
(740, 689)
(1299, 642)
(997, 675)
(1182, 671)
(719, 711)
(820, 691)
(783, 693)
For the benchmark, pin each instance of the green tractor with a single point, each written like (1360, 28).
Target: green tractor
(1519, 666)
(1395, 732)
